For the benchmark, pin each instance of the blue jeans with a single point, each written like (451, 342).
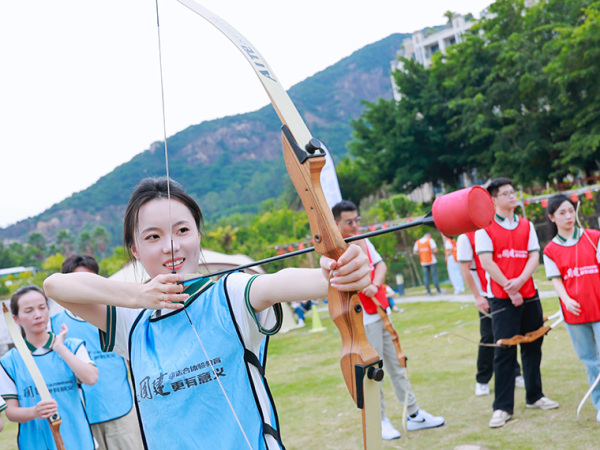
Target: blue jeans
(585, 338)
(431, 270)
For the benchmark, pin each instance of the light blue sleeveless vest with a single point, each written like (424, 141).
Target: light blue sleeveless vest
(110, 398)
(62, 384)
(178, 396)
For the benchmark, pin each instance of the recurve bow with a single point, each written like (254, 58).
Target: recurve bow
(54, 421)
(305, 157)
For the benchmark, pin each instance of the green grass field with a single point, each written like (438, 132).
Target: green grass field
(316, 411)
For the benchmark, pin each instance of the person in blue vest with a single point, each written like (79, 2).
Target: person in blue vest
(63, 363)
(2, 408)
(109, 402)
(197, 357)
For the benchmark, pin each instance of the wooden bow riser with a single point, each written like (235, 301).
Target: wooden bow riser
(55, 428)
(344, 307)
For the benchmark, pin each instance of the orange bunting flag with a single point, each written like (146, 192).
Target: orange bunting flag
(280, 251)
(526, 203)
(589, 195)
(301, 246)
(290, 248)
(385, 225)
(544, 203)
(371, 227)
(574, 198)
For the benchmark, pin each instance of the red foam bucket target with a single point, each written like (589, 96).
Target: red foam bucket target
(463, 211)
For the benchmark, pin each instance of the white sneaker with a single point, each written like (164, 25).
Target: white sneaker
(499, 418)
(300, 322)
(519, 381)
(482, 389)
(543, 403)
(598, 416)
(388, 432)
(423, 420)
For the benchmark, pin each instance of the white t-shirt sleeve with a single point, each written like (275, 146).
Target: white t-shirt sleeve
(252, 326)
(375, 256)
(483, 242)
(8, 389)
(124, 318)
(84, 355)
(464, 251)
(534, 244)
(432, 244)
(550, 267)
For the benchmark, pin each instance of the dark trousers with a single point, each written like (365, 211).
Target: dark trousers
(508, 321)
(485, 355)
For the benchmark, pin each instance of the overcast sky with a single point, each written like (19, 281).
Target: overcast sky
(80, 81)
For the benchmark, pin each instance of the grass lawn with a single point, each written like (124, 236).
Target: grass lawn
(316, 410)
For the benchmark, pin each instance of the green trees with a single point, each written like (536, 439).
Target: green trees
(518, 96)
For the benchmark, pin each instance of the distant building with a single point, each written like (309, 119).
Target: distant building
(422, 46)
(16, 270)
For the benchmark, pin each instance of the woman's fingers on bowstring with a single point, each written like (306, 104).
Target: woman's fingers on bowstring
(164, 292)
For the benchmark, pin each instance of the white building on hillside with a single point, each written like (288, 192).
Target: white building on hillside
(422, 46)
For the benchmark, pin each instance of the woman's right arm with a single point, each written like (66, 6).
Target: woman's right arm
(42, 410)
(87, 294)
(572, 305)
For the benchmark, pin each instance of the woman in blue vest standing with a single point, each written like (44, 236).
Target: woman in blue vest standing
(197, 357)
(63, 363)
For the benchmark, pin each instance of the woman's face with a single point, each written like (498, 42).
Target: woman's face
(33, 312)
(564, 216)
(153, 238)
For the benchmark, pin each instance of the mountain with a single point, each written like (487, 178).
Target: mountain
(231, 164)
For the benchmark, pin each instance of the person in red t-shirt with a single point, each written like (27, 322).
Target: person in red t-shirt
(571, 262)
(509, 252)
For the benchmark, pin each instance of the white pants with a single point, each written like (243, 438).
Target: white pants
(382, 342)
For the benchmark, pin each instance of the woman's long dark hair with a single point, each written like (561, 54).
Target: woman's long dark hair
(553, 204)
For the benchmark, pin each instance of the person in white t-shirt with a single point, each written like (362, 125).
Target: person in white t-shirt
(347, 219)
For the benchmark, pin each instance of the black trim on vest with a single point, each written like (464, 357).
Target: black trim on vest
(251, 358)
(137, 409)
(267, 429)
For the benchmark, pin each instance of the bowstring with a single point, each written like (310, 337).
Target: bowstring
(164, 129)
(164, 123)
